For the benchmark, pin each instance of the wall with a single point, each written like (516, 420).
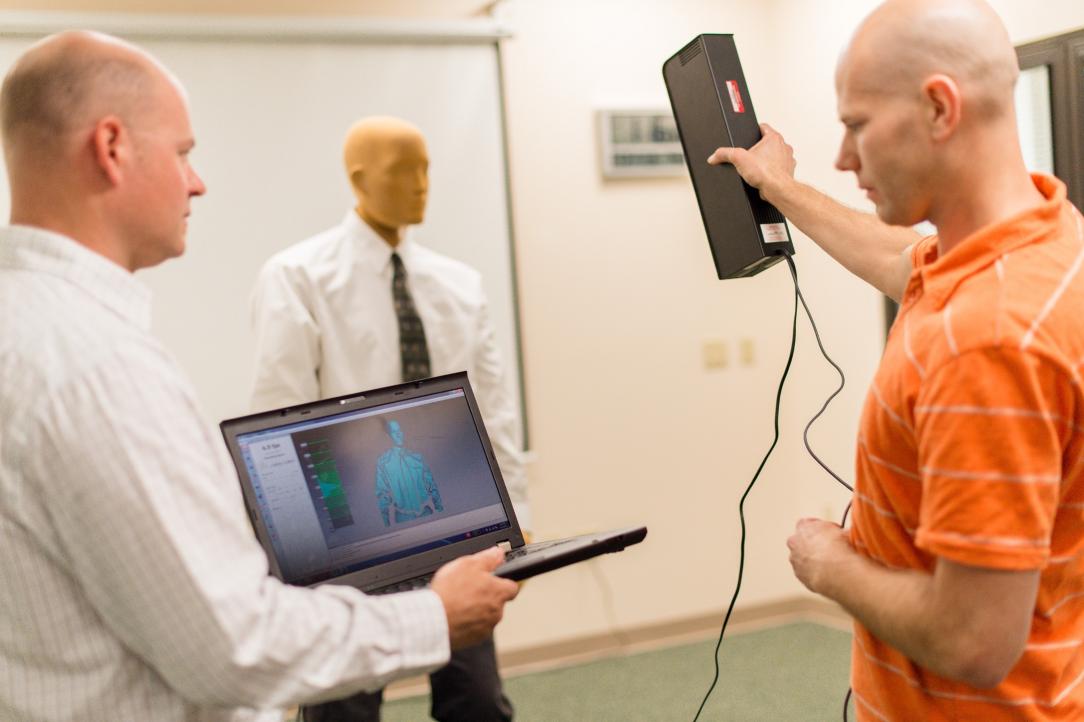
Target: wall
(1026, 24)
(618, 296)
(618, 293)
(849, 313)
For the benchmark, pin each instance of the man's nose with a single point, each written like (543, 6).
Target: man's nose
(845, 159)
(196, 187)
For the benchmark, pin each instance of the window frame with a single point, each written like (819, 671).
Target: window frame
(1063, 55)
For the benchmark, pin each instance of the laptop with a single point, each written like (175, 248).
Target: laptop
(376, 490)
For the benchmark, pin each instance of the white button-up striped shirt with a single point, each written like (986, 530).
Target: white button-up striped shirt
(131, 585)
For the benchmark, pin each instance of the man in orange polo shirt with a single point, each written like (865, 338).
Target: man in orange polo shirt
(963, 567)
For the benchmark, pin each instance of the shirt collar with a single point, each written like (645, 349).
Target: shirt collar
(940, 276)
(35, 249)
(374, 253)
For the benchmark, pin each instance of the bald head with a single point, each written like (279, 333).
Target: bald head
(370, 139)
(925, 95)
(97, 138)
(387, 163)
(67, 81)
(904, 42)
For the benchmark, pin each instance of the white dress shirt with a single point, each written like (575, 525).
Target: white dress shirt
(131, 585)
(326, 326)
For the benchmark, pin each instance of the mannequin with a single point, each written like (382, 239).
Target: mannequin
(340, 312)
(388, 167)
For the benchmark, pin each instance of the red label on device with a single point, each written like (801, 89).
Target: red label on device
(735, 96)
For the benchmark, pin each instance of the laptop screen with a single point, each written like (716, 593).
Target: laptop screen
(345, 492)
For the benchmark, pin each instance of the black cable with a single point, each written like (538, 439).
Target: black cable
(798, 298)
(741, 504)
(805, 435)
(842, 379)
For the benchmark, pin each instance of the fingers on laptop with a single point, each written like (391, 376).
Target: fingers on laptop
(473, 598)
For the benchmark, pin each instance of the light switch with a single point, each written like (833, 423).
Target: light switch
(716, 355)
(747, 352)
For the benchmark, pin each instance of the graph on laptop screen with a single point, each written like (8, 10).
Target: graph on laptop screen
(365, 487)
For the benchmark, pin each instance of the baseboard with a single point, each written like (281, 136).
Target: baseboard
(652, 636)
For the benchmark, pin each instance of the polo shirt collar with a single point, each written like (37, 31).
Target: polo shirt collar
(940, 276)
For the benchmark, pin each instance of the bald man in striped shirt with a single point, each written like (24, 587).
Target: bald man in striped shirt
(963, 566)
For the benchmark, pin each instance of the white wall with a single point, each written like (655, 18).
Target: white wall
(849, 313)
(1028, 21)
(618, 295)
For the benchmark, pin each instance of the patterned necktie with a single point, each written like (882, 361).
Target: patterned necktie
(412, 347)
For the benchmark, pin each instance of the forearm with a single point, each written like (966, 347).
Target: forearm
(964, 623)
(156, 538)
(345, 643)
(223, 633)
(893, 604)
(860, 242)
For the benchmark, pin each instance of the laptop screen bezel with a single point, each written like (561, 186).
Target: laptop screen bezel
(397, 570)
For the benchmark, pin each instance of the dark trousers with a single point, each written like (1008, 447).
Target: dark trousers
(467, 689)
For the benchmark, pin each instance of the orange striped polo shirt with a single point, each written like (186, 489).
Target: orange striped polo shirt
(970, 448)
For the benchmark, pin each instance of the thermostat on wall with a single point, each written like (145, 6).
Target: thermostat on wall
(639, 143)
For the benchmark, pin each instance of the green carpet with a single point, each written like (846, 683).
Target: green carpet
(794, 672)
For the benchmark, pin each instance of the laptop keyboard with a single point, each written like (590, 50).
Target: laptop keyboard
(410, 585)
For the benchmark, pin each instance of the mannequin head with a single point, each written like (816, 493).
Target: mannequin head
(387, 164)
(396, 433)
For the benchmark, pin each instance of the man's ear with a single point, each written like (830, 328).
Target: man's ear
(943, 102)
(111, 145)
